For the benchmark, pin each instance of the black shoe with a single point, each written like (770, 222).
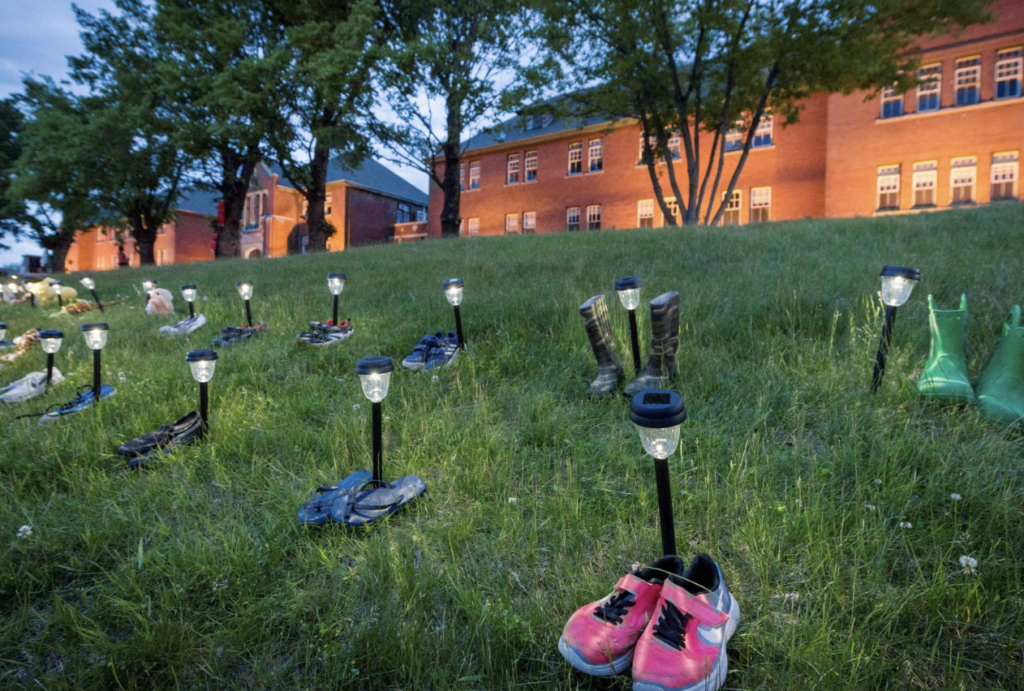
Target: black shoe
(184, 431)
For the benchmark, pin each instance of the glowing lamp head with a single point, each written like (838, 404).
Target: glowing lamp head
(897, 284)
(95, 335)
(336, 283)
(657, 414)
(375, 376)
(629, 291)
(453, 291)
(56, 288)
(244, 289)
(189, 293)
(148, 285)
(12, 287)
(50, 340)
(88, 283)
(202, 363)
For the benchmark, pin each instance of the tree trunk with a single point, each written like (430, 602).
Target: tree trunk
(59, 252)
(145, 239)
(318, 228)
(236, 172)
(58, 245)
(451, 185)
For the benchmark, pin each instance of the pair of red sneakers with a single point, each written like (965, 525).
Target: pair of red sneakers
(670, 623)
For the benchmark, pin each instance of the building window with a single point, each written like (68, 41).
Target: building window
(404, 213)
(673, 147)
(531, 166)
(572, 218)
(305, 209)
(926, 177)
(763, 133)
(1004, 175)
(511, 223)
(892, 103)
(595, 156)
(162, 230)
(529, 221)
(575, 158)
(328, 204)
(673, 210)
(255, 207)
(643, 160)
(963, 175)
(594, 217)
(734, 137)
(967, 79)
(536, 122)
(474, 175)
(513, 170)
(888, 187)
(760, 204)
(462, 176)
(645, 213)
(1009, 66)
(731, 217)
(101, 262)
(930, 90)
(473, 226)
(101, 236)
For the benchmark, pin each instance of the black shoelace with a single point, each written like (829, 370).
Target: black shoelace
(616, 607)
(671, 626)
(62, 408)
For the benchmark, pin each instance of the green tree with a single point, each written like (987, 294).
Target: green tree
(705, 68)
(12, 211)
(326, 96)
(464, 58)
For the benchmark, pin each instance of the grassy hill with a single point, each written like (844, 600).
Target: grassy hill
(790, 473)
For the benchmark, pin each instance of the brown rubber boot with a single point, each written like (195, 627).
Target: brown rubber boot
(599, 330)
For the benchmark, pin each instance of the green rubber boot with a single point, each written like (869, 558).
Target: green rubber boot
(1001, 387)
(945, 373)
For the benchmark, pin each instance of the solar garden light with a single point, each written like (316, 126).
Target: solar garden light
(453, 292)
(148, 285)
(336, 283)
(95, 338)
(375, 377)
(189, 293)
(31, 295)
(202, 363)
(56, 291)
(3, 330)
(629, 295)
(89, 284)
(245, 292)
(50, 340)
(657, 414)
(897, 284)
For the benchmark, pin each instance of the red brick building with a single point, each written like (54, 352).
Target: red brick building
(366, 205)
(955, 140)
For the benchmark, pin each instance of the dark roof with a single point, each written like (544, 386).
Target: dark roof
(371, 175)
(199, 202)
(511, 130)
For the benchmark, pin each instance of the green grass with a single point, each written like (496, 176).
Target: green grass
(197, 575)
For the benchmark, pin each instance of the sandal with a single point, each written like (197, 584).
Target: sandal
(358, 507)
(318, 509)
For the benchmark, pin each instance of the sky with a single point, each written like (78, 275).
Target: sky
(35, 37)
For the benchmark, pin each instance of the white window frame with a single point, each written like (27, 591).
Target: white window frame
(888, 183)
(932, 85)
(473, 226)
(966, 77)
(760, 198)
(474, 175)
(734, 136)
(511, 223)
(576, 158)
(640, 160)
(889, 95)
(1009, 68)
(595, 156)
(572, 217)
(735, 205)
(673, 146)
(529, 221)
(644, 210)
(462, 177)
(1006, 168)
(594, 217)
(926, 177)
(530, 165)
(764, 135)
(673, 207)
(963, 173)
(101, 262)
(512, 170)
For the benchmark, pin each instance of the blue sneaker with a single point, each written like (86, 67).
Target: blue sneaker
(79, 403)
(418, 358)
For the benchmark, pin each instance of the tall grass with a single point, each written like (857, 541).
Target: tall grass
(790, 473)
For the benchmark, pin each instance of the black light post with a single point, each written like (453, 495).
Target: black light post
(31, 295)
(148, 286)
(50, 340)
(56, 291)
(336, 284)
(203, 363)
(629, 295)
(89, 284)
(95, 337)
(3, 330)
(189, 293)
(375, 377)
(453, 293)
(897, 284)
(245, 292)
(657, 414)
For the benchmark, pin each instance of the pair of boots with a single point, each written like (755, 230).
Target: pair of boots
(1000, 391)
(661, 366)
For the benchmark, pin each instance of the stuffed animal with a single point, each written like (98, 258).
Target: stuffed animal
(45, 295)
(22, 344)
(161, 301)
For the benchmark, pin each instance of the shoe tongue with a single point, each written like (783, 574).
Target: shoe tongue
(670, 566)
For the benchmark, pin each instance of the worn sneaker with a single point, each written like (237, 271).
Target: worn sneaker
(29, 386)
(683, 648)
(231, 335)
(599, 637)
(186, 430)
(185, 326)
(418, 358)
(79, 403)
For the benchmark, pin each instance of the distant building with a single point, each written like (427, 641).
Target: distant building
(365, 205)
(953, 141)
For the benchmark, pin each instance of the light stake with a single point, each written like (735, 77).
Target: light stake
(95, 337)
(453, 293)
(629, 295)
(336, 284)
(50, 340)
(56, 291)
(3, 330)
(202, 364)
(657, 414)
(897, 284)
(245, 292)
(375, 377)
(89, 284)
(189, 293)
(148, 285)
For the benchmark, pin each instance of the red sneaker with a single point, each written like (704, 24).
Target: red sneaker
(683, 648)
(599, 637)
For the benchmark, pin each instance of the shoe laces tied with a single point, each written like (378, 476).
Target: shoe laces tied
(615, 607)
(671, 626)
